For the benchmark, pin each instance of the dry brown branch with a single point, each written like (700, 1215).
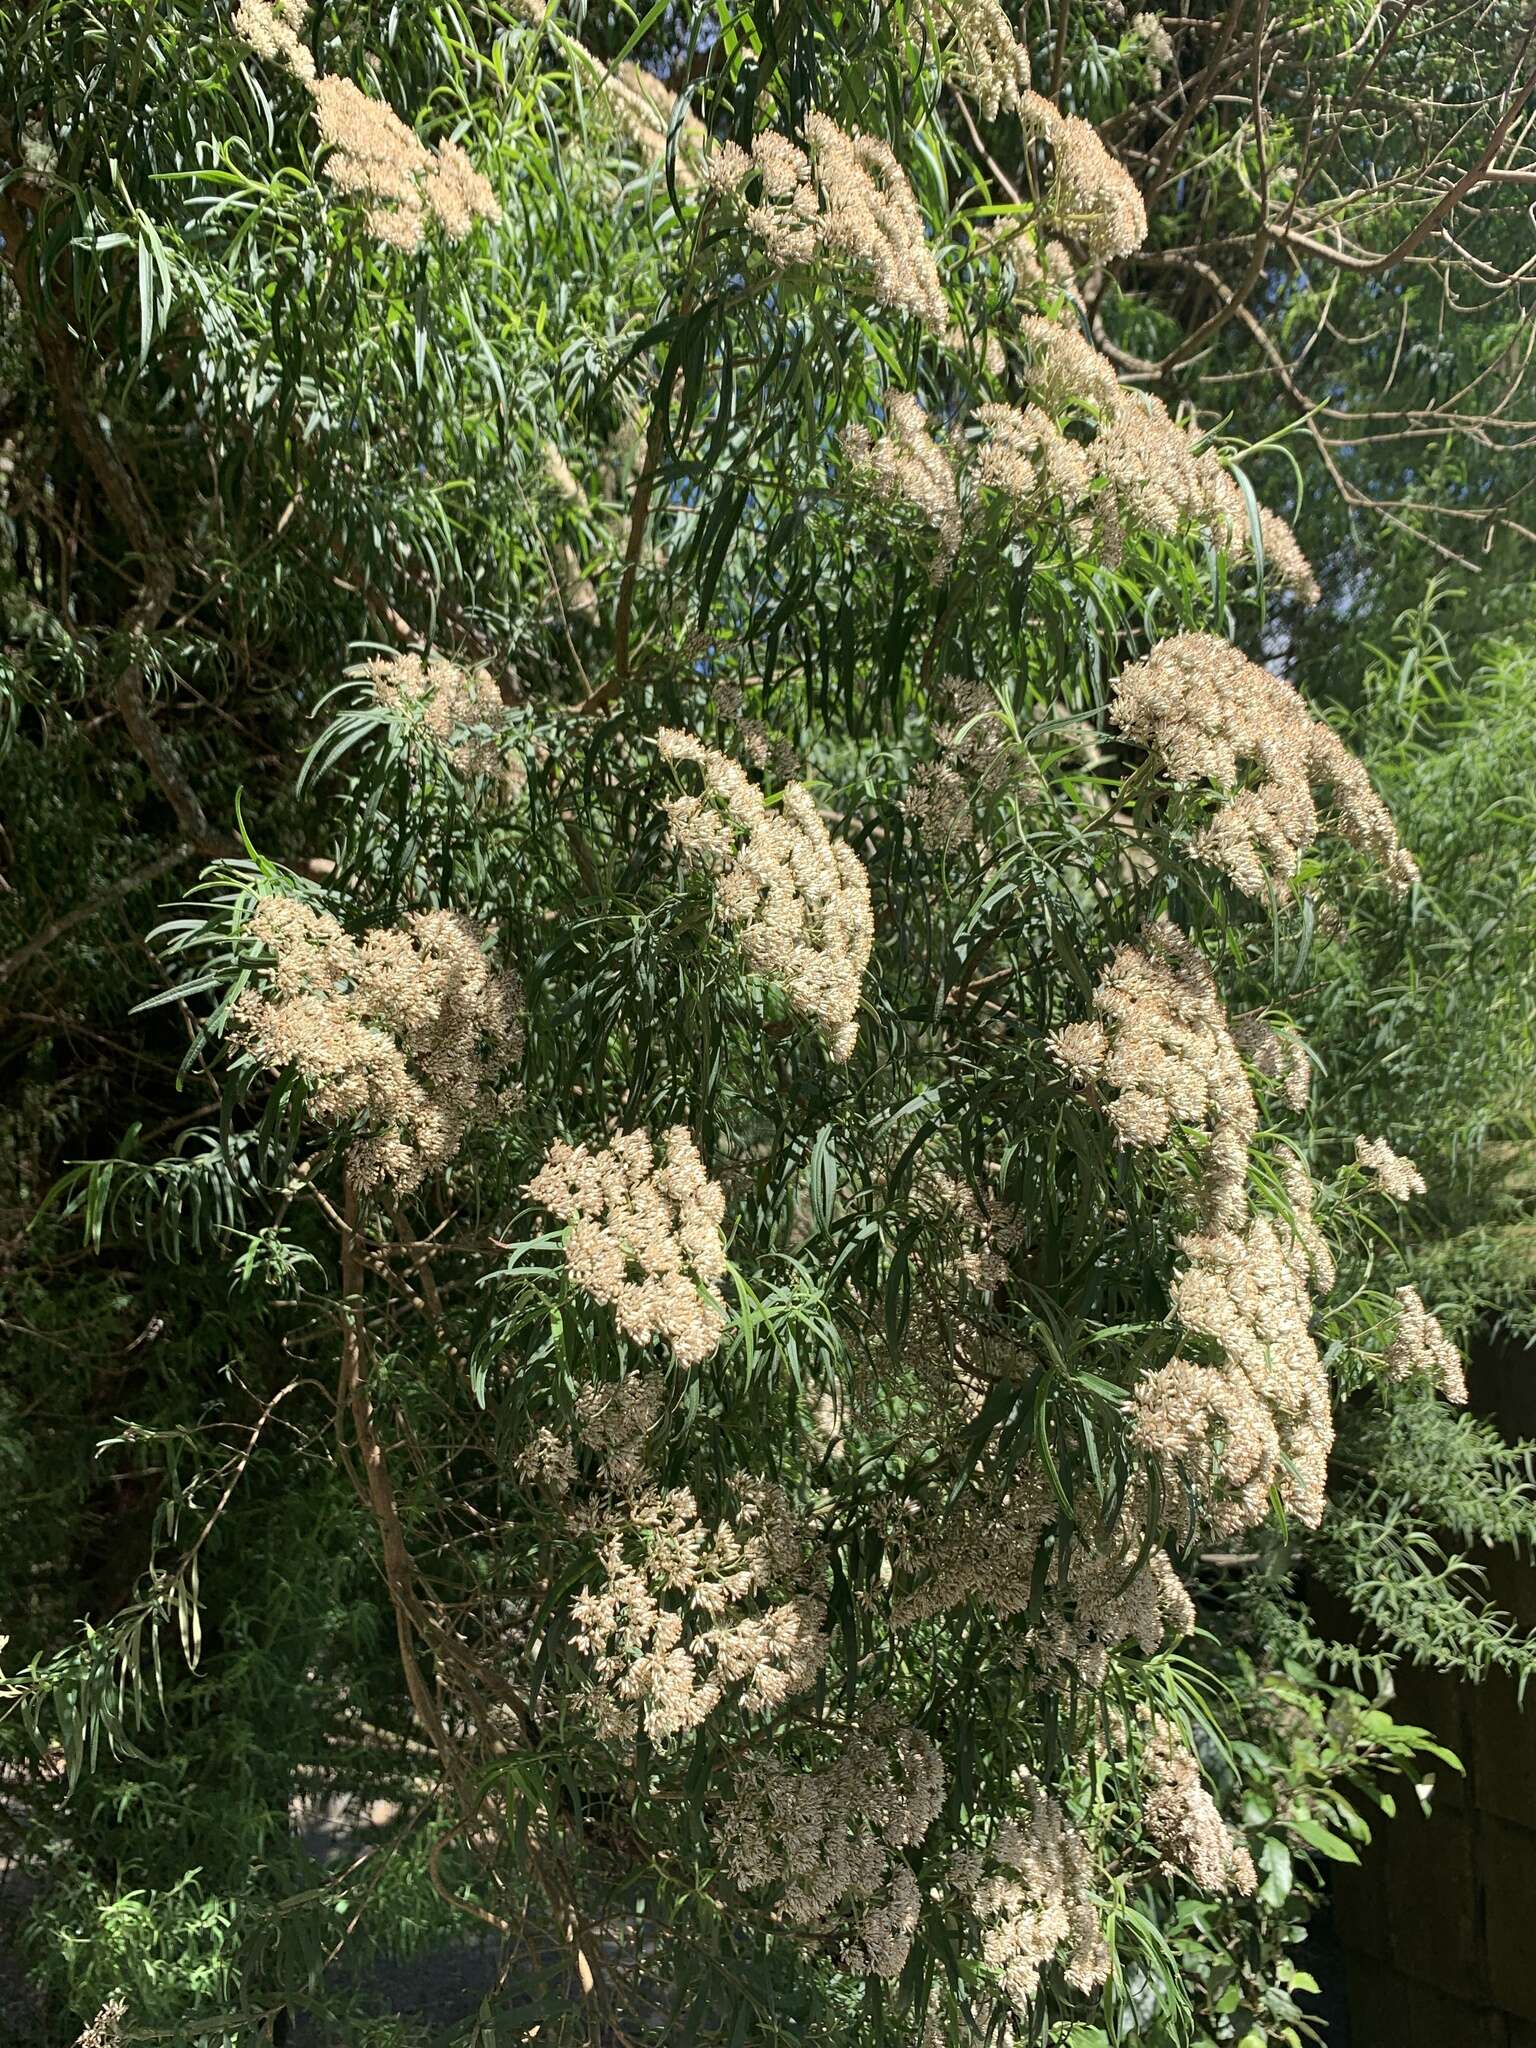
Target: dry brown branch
(92, 907)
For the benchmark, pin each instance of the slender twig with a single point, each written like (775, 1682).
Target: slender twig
(639, 516)
(398, 1574)
(1059, 54)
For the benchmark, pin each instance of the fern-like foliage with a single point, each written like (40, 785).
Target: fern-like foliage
(1420, 1491)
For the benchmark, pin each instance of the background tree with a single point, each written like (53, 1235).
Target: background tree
(633, 1248)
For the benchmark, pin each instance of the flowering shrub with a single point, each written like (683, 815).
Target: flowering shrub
(764, 1164)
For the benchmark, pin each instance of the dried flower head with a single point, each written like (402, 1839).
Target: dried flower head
(976, 759)
(616, 1419)
(273, 28)
(1284, 562)
(1027, 458)
(753, 738)
(979, 1242)
(643, 108)
(106, 2030)
(1278, 1055)
(845, 197)
(1162, 1042)
(1031, 1892)
(684, 1615)
(645, 1239)
(987, 1553)
(460, 709)
(797, 902)
(906, 467)
(375, 157)
(1249, 1292)
(1422, 1347)
(1396, 1176)
(829, 1841)
(954, 1357)
(406, 1030)
(1207, 713)
(985, 56)
(1091, 195)
(547, 1460)
(1064, 368)
(1181, 1818)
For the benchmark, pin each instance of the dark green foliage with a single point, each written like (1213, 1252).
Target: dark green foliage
(250, 446)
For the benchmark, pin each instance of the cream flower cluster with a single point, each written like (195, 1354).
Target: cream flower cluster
(405, 1029)
(1137, 470)
(373, 155)
(445, 700)
(273, 28)
(1115, 1597)
(797, 903)
(1396, 1176)
(1155, 41)
(106, 2030)
(984, 55)
(644, 1239)
(1044, 275)
(376, 158)
(1262, 1419)
(1091, 196)
(829, 1842)
(683, 1616)
(1158, 480)
(986, 1553)
(843, 197)
(1162, 1042)
(558, 475)
(1030, 1891)
(980, 1241)
(1025, 457)
(1182, 1820)
(906, 467)
(1141, 470)
(1206, 713)
(1284, 562)
(1063, 368)
(1249, 1291)
(1422, 1347)
(847, 197)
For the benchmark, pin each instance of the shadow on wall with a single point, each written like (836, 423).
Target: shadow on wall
(1438, 1923)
